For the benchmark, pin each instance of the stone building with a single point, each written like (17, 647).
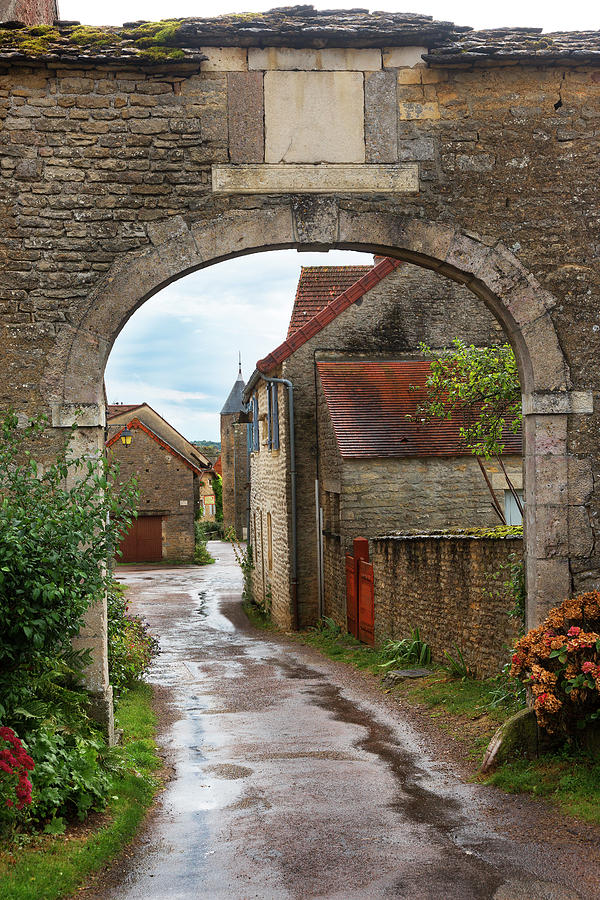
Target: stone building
(383, 469)
(30, 12)
(174, 480)
(382, 314)
(234, 460)
(135, 154)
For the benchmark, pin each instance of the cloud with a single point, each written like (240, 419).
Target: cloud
(179, 352)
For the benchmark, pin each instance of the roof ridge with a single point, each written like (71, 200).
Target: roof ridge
(329, 312)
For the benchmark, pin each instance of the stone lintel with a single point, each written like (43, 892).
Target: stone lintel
(333, 59)
(316, 179)
(558, 402)
(84, 415)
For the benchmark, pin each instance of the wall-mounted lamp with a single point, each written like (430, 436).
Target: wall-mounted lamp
(126, 436)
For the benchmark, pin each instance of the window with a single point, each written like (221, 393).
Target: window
(512, 512)
(273, 415)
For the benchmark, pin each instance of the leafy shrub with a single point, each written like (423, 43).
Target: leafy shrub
(201, 555)
(560, 662)
(15, 786)
(131, 648)
(69, 777)
(328, 627)
(408, 651)
(217, 485)
(244, 558)
(54, 542)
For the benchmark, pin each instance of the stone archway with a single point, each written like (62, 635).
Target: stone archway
(556, 515)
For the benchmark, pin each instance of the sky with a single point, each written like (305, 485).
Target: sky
(179, 351)
(578, 15)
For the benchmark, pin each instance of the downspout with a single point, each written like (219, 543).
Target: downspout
(290, 389)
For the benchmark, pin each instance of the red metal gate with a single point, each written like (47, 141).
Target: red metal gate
(143, 541)
(360, 606)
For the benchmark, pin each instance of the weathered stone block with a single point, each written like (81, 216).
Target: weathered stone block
(401, 57)
(245, 117)
(418, 111)
(381, 131)
(225, 59)
(314, 117)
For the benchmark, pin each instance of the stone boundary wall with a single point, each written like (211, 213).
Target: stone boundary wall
(440, 583)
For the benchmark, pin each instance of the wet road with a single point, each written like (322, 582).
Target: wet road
(294, 778)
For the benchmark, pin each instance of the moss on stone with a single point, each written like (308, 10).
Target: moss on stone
(158, 54)
(33, 41)
(84, 35)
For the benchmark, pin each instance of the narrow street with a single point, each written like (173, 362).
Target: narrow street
(295, 778)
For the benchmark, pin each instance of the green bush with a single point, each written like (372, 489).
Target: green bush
(408, 651)
(70, 776)
(131, 648)
(55, 541)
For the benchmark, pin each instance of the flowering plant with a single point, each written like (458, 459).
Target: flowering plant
(15, 786)
(560, 662)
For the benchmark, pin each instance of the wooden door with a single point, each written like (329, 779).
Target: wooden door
(351, 596)
(143, 542)
(366, 603)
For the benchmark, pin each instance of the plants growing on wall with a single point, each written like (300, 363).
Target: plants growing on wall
(560, 662)
(482, 384)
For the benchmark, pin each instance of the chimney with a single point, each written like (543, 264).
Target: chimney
(30, 12)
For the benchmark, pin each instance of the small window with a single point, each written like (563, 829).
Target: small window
(512, 513)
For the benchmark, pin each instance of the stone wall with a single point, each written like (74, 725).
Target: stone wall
(270, 510)
(166, 488)
(234, 462)
(441, 585)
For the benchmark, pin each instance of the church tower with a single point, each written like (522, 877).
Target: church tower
(234, 460)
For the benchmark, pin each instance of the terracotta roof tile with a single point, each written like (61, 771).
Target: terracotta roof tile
(374, 411)
(327, 313)
(318, 286)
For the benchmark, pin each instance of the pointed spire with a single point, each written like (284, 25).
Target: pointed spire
(234, 402)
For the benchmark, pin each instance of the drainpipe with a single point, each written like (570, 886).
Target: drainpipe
(290, 389)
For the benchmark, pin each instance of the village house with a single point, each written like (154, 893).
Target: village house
(174, 479)
(354, 462)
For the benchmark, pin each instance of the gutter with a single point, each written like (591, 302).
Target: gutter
(254, 379)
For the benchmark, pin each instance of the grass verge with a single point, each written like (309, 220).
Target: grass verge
(51, 867)
(470, 711)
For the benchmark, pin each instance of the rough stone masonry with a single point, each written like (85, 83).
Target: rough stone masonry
(133, 155)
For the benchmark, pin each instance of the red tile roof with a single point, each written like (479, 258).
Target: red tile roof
(117, 409)
(374, 411)
(218, 466)
(328, 312)
(135, 423)
(318, 286)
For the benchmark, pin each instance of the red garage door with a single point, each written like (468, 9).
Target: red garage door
(143, 543)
